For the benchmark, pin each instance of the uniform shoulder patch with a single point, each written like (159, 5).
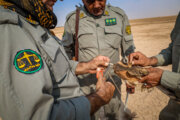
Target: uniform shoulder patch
(128, 29)
(28, 61)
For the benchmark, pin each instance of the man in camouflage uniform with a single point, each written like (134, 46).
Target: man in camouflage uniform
(103, 30)
(167, 79)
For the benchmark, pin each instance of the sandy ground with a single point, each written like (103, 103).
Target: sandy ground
(150, 36)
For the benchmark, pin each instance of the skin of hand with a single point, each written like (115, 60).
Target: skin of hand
(104, 93)
(91, 66)
(153, 78)
(138, 58)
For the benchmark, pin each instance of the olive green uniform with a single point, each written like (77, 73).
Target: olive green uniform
(108, 35)
(171, 80)
(50, 90)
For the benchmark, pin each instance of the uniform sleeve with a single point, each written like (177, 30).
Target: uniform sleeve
(73, 65)
(67, 39)
(165, 56)
(65, 110)
(171, 80)
(128, 42)
(29, 96)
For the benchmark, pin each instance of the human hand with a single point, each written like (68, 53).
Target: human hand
(138, 58)
(104, 93)
(104, 90)
(100, 62)
(153, 78)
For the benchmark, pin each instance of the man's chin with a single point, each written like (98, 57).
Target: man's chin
(98, 14)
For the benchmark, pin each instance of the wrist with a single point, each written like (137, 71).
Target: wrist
(81, 68)
(152, 61)
(95, 101)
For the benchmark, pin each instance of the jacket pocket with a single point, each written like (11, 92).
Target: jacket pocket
(86, 38)
(113, 36)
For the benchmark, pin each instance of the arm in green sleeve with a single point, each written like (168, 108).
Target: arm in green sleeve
(171, 80)
(165, 56)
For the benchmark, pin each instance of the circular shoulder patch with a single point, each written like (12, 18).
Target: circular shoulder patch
(28, 61)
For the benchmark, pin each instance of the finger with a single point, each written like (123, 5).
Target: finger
(102, 58)
(143, 79)
(92, 71)
(101, 80)
(102, 63)
(131, 56)
(106, 59)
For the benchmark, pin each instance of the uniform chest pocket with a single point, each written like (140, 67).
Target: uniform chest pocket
(113, 36)
(86, 37)
(55, 58)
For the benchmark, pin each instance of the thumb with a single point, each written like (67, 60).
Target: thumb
(100, 78)
(143, 79)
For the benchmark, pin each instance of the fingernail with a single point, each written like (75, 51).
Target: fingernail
(132, 63)
(106, 64)
(98, 69)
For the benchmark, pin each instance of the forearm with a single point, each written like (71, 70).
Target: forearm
(82, 68)
(171, 80)
(95, 101)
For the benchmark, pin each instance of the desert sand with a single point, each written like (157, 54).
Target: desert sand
(150, 36)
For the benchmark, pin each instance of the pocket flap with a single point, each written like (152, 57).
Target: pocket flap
(113, 30)
(85, 31)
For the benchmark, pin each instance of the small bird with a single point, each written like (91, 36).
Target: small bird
(130, 73)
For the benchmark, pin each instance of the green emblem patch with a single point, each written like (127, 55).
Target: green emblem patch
(28, 61)
(110, 21)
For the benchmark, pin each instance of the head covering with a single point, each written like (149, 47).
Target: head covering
(33, 11)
